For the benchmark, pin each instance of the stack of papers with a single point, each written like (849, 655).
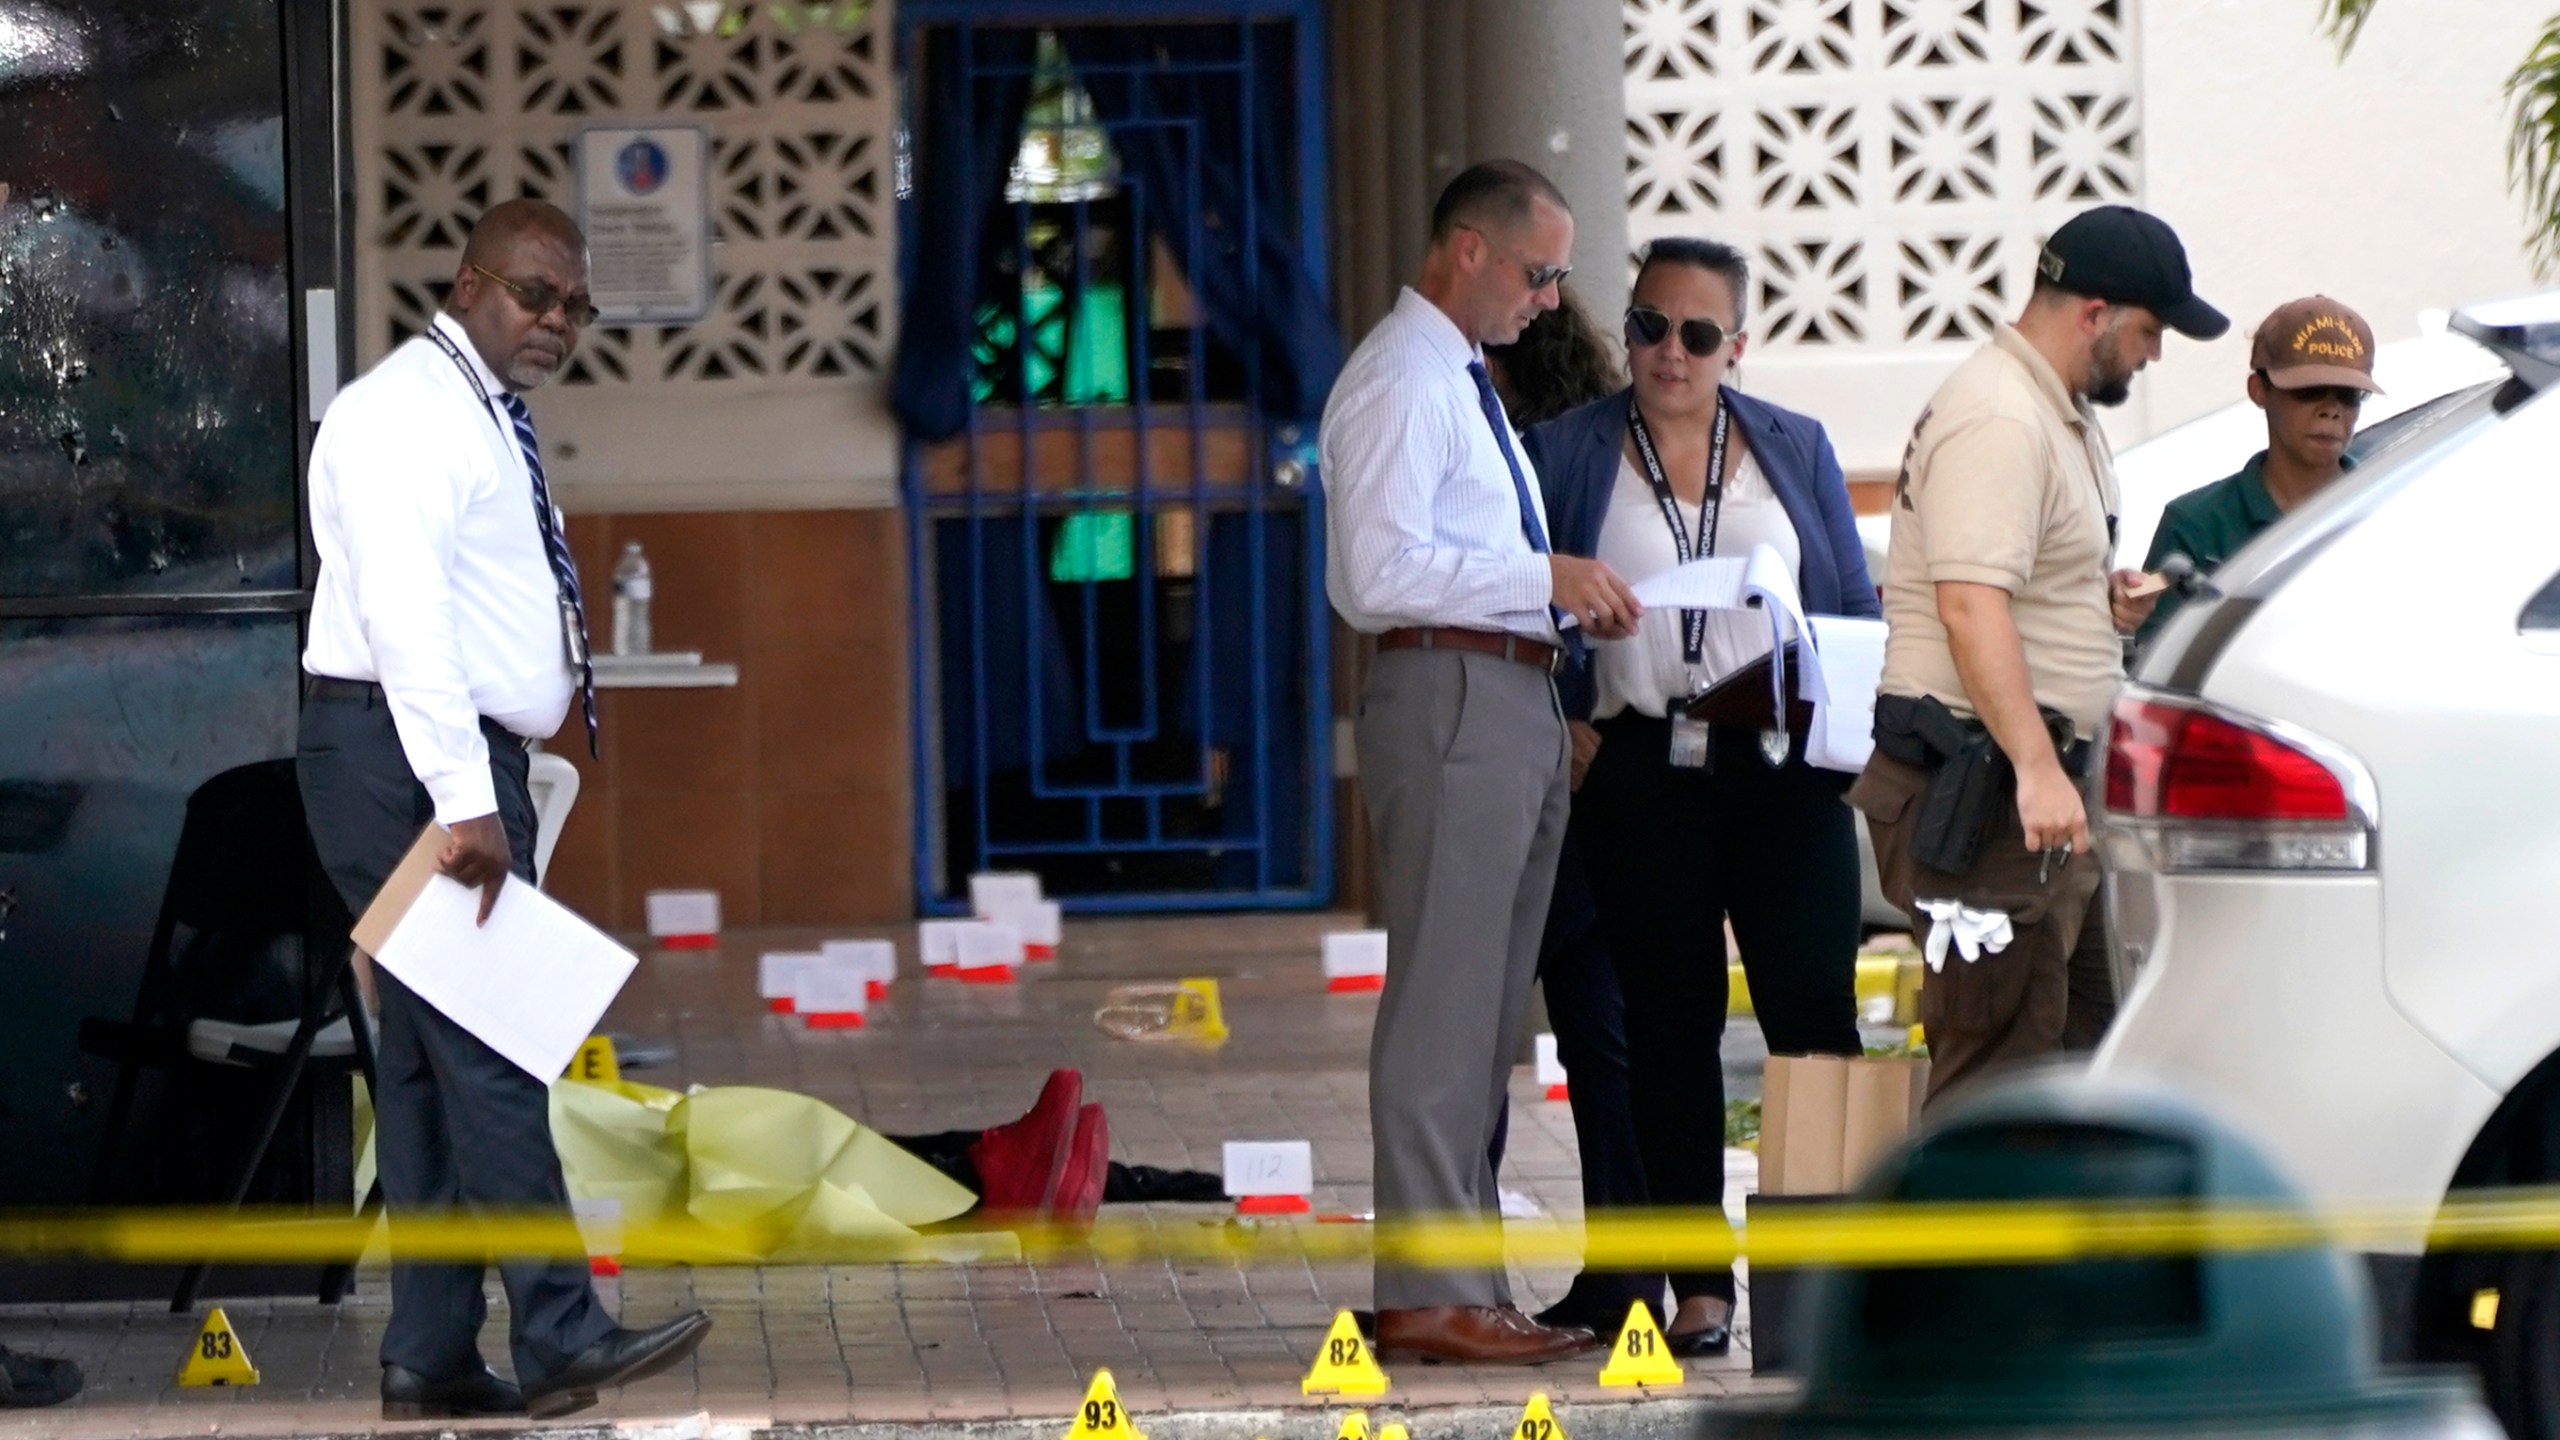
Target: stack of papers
(1847, 652)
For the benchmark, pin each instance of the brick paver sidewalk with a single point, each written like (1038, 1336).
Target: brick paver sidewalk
(827, 1346)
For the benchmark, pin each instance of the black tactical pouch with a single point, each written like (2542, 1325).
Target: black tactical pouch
(1971, 783)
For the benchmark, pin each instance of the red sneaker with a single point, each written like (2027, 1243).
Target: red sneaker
(1079, 1192)
(1019, 1165)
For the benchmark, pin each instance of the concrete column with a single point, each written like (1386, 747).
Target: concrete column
(1546, 85)
(1444, 92)
(1409, 190)
(1363, 201)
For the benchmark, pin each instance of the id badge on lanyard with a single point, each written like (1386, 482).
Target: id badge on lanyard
(1689, 736)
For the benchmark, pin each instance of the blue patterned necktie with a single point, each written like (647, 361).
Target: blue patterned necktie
(555, 548)
(1529, 526)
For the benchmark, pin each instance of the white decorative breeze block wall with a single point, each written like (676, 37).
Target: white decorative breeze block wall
(776, 397)
(1890, 165)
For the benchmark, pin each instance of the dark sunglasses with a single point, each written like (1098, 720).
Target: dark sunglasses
(1540, 276)
(1647, 326)
(538, 296)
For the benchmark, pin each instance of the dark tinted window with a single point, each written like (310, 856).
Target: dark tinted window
(146, 373)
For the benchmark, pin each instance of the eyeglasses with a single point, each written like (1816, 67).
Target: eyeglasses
(1647, 326)
(538, 296)
(2346, 397)
(1540, 276)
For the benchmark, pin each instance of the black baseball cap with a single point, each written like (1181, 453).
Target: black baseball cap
(2126, 256)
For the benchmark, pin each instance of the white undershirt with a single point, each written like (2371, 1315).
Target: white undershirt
(1647, 671)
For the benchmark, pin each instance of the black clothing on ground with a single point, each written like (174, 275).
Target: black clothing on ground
(948, 1152)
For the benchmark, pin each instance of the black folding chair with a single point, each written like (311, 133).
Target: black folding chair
(244, 881)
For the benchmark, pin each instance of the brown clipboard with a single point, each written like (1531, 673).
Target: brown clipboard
(1742, 700)
(401, 891)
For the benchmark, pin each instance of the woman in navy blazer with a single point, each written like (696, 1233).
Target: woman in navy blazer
(1679, 840)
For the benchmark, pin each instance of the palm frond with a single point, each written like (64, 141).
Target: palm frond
(2343, 21)
(2533, 144)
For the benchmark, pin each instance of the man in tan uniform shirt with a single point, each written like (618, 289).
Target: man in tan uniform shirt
(1999, 606)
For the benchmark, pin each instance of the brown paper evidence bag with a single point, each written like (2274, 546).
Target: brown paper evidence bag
(1826, 1119)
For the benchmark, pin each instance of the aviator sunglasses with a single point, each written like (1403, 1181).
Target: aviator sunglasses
(1647, 326)
(538, 296)
(1538, 276)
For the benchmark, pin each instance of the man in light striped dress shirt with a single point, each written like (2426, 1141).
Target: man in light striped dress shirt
(1439, 549)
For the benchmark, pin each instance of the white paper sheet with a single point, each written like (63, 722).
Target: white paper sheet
(1849, 653)
(1714, 583)
(1760, 581)
(532, 983)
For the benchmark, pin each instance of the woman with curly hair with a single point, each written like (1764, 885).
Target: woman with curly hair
(1561, 361)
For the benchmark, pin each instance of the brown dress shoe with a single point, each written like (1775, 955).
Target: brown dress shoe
(1477, 1335)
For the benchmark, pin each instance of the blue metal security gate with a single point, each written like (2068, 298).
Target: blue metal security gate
(1115, 343)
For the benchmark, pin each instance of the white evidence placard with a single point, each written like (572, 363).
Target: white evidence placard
(1270, 1167)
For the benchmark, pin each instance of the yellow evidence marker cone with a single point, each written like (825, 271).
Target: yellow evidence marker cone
(1537, 1422)
(1393, 1430)
(1102, 1416)
(596, 1062)
(1641, 1356)
(1355, 1426)
(1198, 1014)
(1344, 1366)
(217, 1357)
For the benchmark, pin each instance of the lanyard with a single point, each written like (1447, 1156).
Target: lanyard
(571, 623)
(488, 407)
(1693, 623)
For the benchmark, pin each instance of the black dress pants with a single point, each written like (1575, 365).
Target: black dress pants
(457, 1126)
(1672, 854)
(1589, 1016)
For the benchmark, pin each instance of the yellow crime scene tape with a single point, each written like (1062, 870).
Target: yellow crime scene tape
(1830, 1234)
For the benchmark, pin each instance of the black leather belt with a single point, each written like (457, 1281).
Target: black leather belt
(366, 692)
(330, 687)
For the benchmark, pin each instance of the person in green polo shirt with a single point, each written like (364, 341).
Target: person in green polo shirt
(2310, 367)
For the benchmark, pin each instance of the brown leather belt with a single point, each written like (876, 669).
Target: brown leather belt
(1537, 654)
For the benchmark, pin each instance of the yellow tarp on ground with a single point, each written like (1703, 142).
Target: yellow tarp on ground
(793, 1176)
(762, 1161)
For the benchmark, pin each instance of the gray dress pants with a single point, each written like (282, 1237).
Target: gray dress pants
(1465, 769)
(457, 1126)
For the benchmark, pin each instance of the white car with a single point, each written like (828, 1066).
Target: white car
(2332, 820)
(2438, 362)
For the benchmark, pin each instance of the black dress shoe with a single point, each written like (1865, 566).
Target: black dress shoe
(620, 1358)
(1595, 1308)
(408, 1395)
(1713, 1339)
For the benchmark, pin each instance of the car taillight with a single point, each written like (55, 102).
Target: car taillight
(2206, 789)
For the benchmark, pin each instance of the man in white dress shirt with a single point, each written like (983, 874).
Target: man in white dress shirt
(447, 633)
(1439, 548)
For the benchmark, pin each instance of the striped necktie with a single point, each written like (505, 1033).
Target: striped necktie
(555, 548)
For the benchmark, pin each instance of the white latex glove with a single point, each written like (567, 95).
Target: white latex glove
(1973, 933)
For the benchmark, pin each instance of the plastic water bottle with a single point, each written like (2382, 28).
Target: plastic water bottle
(631, 602)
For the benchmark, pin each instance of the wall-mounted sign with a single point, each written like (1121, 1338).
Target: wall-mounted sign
(644, 199)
